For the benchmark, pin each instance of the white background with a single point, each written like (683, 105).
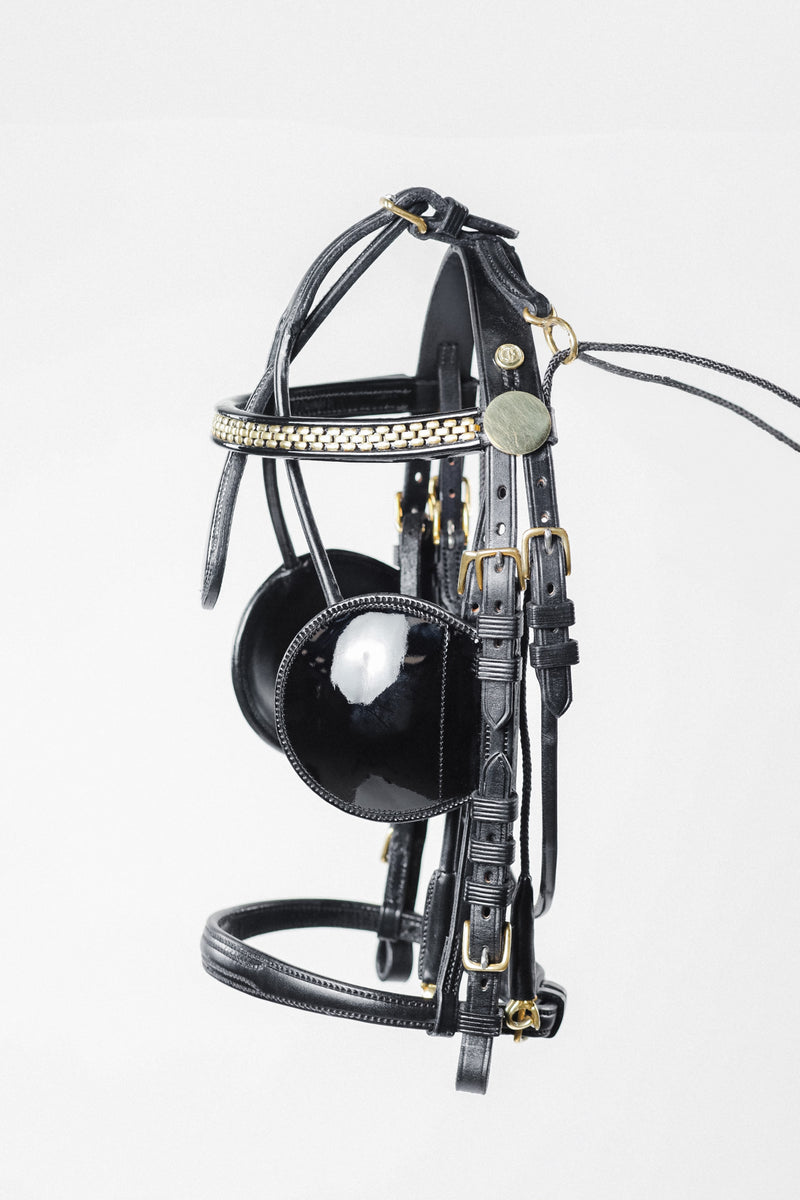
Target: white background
(170, 170)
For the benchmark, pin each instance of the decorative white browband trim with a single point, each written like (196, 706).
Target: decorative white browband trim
(435, 433)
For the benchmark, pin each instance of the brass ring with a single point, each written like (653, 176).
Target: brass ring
(548, 324)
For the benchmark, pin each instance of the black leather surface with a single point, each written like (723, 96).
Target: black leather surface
(477, 301)
(299, 322)
(375, 705)
(277, 612)
(227, 957)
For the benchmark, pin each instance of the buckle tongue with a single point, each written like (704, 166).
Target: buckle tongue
(497, 968)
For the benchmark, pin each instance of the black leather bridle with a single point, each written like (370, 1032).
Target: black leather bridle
(469, 617)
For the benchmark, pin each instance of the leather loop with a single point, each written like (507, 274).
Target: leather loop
(550, 616)
(545, 658)
(492, 852)
(487, 1024)
(499, 670)
(489, 893)
(500, 625)
(393, 961)
(503, 809)
(448, 222)
(228, 958)
(449, 217)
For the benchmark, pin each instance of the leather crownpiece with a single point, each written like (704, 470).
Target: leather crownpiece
(517, 422)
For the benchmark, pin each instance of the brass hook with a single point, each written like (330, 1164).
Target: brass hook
(548, 324)
(387, 202)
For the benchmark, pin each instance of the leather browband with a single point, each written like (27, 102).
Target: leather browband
(427, 435)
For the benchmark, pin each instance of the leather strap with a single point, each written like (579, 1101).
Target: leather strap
(491, 845)
(300, 321)
(227, 957)
(419, 576)
(552, 651)
(450, 526)
(394, 956)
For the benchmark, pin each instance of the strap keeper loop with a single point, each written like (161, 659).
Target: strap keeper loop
(500, 625)
(545, 658)
(499, 854)
(504, 810)
(550, 616)
(499, 670)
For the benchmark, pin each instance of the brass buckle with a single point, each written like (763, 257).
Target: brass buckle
(434, 508)
(387, 202)
(492, 968)
(547, 534)
(398, 512)
(548, 324)
(477, 557)
(385, 851)
(522, 1014)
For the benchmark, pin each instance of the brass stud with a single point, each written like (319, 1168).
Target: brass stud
(508, 356)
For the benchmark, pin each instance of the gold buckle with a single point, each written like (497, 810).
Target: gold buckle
(530, 1015)
(434, 508)
(548, 324)
(547, 534)
(385, 850)
(387, 202)
(477, 557)
(491, 968)
(398, 512)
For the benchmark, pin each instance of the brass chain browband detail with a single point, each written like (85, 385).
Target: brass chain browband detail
(297, 436)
